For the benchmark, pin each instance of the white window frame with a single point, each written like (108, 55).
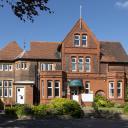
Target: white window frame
(57, 81)
(42, 67)
(1, 88)
(76, 35)
(50, 88)
(10, 67)
(23, 65)
(88, 64)
(1, 65)
(111, 88)
(84, 35)
(50, 65)
(74, 63)
(80, 63)
(7, 87)
(87, 88)
(120, 82)
(6, 68)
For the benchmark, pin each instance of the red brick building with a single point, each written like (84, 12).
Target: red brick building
(79, 67)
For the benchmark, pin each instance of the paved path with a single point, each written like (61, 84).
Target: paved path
(73, 123)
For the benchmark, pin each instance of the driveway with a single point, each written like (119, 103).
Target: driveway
(57, 123)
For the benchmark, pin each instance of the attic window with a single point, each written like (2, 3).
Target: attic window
(76, 40)
(84, 40)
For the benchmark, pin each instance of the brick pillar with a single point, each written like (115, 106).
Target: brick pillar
(115, 89)
(45, 89)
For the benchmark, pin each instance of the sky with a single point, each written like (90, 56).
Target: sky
(107, 19)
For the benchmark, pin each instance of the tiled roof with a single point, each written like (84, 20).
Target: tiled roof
(112, 52)
(43, 50)
(10, 51)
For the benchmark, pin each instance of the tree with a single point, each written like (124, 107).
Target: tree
(26, 9)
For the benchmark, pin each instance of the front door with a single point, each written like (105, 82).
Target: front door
(74, 94)
(20, 95)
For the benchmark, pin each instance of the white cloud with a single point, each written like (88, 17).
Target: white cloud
(123, 4)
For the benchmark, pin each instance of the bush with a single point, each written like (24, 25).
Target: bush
(126, 108)
(1, 105)
(23, 110)
(18, 110)
(63, 106)
(101, 101)
(10, 111)
(40, 110)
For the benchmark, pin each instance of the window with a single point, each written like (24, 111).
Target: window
(73, 63)
(6, 88)
(42, 88)
(77, 40)
(1, 67)
(1, 88)
(10, 67)
(57, 88)
(47, 67)
(111, 89)
(49, 89)
(119, 89)
(10, 88)
(21, 65)
(50, 67)
(80, 64)
(87, 64)
(84, 40)
(5, 67)
(87, 87)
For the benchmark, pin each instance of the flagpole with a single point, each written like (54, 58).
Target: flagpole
(80, 16)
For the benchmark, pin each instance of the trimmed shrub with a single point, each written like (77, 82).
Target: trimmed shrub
(63, 106)
(101, 101)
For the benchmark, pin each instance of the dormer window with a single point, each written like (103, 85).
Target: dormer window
(77, 40)
(84, 40)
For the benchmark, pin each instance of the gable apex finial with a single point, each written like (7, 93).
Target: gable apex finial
(80, 16)
(24, 45)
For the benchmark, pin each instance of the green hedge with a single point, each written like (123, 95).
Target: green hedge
(58, 106)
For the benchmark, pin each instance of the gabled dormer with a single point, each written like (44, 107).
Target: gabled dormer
(81, 36)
